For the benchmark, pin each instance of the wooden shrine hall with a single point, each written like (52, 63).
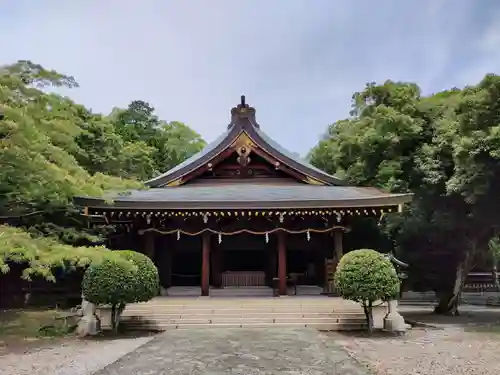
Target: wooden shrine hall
(243, 212)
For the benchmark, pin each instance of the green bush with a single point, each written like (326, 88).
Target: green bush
(117, 283)
(366, 276)
(147, 280)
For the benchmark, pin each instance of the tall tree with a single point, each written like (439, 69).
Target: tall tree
(170, 142)
(52, 149)
(444, 148)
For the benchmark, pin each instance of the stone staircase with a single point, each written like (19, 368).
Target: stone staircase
(320, 312)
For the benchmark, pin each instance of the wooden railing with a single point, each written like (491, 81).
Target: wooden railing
(243, 278)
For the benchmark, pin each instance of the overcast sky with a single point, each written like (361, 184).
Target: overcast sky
(297, 61)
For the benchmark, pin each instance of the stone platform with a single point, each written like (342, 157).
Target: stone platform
(320, 312)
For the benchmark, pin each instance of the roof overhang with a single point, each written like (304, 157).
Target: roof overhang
(247, 198)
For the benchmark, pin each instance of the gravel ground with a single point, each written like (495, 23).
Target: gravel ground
(445, 352)
(74, 357)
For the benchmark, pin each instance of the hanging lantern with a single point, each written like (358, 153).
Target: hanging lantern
(339, 217)
(281, 218)
(267, 237)
(308, 235)
(178, 235)
(220, 238)
(205, 218)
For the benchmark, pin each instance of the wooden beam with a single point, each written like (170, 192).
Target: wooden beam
(205, 265)
(204, 168)
(282, 167)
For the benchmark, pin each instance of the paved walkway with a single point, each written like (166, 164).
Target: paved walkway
(275, 351)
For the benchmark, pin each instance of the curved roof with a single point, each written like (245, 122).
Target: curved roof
(320, 190)
(253, 196)
(243, 120)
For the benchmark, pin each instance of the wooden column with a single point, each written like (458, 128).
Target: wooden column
(282, 263)
(205, 265)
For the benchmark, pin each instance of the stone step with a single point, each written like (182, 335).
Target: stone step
(323, 326)
(263, 308)
(202, 312)
(249, 314)
(235, 319)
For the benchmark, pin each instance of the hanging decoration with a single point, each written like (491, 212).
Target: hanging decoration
(220, 238)
(267, 237)
(178, 235)
(268, 232)
(308, 235)
(339, 213)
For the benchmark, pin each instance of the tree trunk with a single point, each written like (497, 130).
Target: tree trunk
(450, 299)
(116, 312)
(368, 310)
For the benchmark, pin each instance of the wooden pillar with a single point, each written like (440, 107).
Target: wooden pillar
(282, 263)
(205, 265)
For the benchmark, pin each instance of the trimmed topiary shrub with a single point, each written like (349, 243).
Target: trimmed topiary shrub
(366, 276)
(117, 283)
(147, 280)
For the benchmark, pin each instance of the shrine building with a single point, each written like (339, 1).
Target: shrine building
(243, 212)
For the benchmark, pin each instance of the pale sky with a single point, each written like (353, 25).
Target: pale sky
(297, 61)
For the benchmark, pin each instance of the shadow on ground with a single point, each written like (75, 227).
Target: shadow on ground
(470, 316)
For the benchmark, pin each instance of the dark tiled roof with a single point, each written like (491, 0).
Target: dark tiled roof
(251, 196)
(290, 155)
(243, 121)
(193, 159)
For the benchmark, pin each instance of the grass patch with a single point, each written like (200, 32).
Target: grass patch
(32, 324)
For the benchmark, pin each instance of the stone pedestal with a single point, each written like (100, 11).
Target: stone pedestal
(394, 321)
(89, 324)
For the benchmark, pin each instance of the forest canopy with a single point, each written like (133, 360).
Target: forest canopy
(52, 149)
(444, 148)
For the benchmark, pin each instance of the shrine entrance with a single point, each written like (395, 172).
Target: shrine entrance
(244, 261)
(242, 212)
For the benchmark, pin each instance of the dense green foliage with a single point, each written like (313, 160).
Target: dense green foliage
(116, 283)
(445, 148)
(366, 276)
(44, 253)
(113, 283)
(147, 279)
(52, 149)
